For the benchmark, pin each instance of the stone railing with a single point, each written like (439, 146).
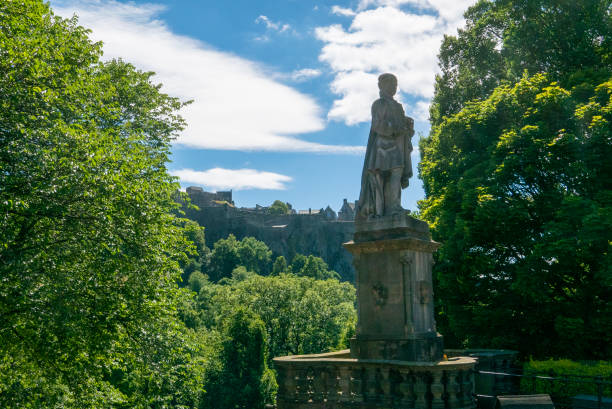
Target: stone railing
(335, 380)
(492, 360)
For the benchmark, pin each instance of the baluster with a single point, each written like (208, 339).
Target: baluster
(406, 388)
(333, 386)
(310, 376)
(290, 384)
(437, 390)
(420, 391)
(385, 386)
(357, 384)
(319, 383)
(301, 383)
(345, 384)
(369, 379)
(453, 389)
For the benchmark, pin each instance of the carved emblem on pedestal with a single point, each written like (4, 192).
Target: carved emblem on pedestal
(380, 294)
(424, 291)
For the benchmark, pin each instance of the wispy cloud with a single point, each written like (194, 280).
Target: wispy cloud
(271, 25)
(237, 104)
(383, 37)
(343, 11)
(305, 74)
(237, 179)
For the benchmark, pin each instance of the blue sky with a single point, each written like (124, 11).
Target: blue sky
(281, 89)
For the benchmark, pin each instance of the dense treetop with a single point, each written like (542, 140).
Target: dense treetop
(518, 179)
(571, 41)
(90, 249)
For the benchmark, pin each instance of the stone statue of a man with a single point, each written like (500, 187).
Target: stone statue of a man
(387, 166)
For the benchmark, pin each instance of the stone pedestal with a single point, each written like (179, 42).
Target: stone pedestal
(396, 360)
(393, 261)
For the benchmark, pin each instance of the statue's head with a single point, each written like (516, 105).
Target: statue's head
(387, 84)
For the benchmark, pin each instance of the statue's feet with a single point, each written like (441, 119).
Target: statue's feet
(397, 211)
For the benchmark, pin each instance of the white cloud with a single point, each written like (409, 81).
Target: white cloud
(305, 74)
(238, 179)
(237, 103)
(342, 11)
(383, 37)
(271, 25)
(449, 10)
(420, 111)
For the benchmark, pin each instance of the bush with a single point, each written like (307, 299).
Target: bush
(576, 378)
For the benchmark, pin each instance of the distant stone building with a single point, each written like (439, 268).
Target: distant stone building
(347, 211)
(311, 231)
(309, 212)
(329, 213)
(207, 199)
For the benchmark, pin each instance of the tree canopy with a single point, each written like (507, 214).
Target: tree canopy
(279, 207)
(503, 39)
(517, 179)
(229, 253)
(243, 380)
(90, 248)
(301, 314)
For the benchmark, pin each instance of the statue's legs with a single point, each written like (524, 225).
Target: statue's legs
(392, 192)
(379, 185)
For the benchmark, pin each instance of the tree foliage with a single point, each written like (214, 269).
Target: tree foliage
(503, 39)
(199, 258)
(517, 178)
(89, 249)
(229, 253)
(317, 268)
(519, 190)
(301, 315)
(279, 207)
(279, 266)
(243, 380)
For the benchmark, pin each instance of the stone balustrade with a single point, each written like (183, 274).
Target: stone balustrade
(335, 380)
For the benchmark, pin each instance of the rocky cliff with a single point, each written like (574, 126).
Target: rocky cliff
(285, 235)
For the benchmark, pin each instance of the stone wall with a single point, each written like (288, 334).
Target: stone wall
(285, 235)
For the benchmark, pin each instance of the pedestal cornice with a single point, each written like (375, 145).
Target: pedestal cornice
(406, 243)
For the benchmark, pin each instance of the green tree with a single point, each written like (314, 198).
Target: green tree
(516, 184)
(90, 250)
(298, 262)
(502, 39)
(223, 258)
(244, 380)
(519, 190)
(279, 207)
(227, 254)
(254, 255)
(280, 266)
(316, 268)
(200, 257)
(301, 314)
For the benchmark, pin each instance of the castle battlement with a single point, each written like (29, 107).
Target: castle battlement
(318, 232)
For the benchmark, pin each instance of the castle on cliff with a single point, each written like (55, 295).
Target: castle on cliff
(318, 232)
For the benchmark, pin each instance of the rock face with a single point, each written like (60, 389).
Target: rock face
(307, 232)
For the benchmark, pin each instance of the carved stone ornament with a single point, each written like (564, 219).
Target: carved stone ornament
(380, 294)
